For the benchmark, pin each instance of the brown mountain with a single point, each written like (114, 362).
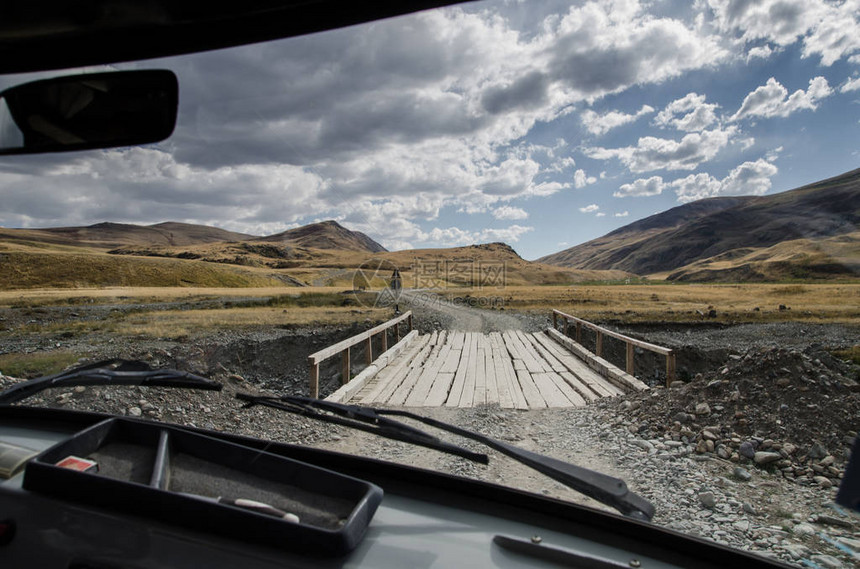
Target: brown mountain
(171, 234)
(325, 235)
(111, 235)
(723, 235)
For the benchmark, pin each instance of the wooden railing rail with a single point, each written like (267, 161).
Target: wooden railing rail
(631, 342)
(343, 348)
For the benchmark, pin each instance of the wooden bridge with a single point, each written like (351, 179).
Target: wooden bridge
(511, 369)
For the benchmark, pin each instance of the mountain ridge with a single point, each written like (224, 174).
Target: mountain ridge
(666, 243)
(111, 235)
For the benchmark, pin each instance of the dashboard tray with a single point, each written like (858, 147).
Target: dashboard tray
(206, 484)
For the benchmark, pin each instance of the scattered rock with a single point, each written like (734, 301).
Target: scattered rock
(763, 457)
(742, 474)
(708, 500)
(822, 481)
(804, 530)
(747, 449)
(826, 561)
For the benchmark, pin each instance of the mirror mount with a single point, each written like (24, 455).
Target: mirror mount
(81, 112)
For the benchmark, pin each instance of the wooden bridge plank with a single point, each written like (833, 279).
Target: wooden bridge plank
(571, 392)
(490, 370)
(425, 381)
(519, 399)
(405, 388)
(530, 391)
(550, 392)
(534, 362)
(572, 395)
(480, 397)
(386, 383)
(445, 377)
(585, 374)
(579, 387)
(439, 392)
(502, 361)
(457, 339)
(468, 395)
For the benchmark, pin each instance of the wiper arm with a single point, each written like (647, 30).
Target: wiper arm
(109, 372)
(602, 487)
(605, 489)
(362, 419)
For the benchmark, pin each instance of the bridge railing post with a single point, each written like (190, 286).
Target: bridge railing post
(345, 374)
(629, 358)
(315, 379)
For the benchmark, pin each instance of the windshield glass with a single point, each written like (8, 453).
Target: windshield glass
(630, 165)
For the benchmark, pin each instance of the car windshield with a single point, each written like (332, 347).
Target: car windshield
(621, 234)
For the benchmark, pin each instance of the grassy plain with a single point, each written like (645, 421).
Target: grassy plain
(685, 302)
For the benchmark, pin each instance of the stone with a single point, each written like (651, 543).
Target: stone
(135, 411)
(680, 416)
(723, 452)
(749, 509)
(709, 446)
(747, 449)
(707, 500)
(762, 457)
(827, 460)
(831, 521)
(742, 474)
(823, 481)
(826, 561)
(804, 530)
(817, 451)
(702, 409)
(80, 389)
(711, 436)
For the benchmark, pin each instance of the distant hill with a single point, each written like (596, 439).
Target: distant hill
(728, 238)
(326, 235)
(111, 235)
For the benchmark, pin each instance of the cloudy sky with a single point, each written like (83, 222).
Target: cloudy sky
(540, 123)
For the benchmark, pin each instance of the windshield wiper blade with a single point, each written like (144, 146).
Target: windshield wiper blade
(604, 488)
(110, 372)
(362, 419)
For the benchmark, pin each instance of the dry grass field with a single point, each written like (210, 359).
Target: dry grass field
(686, 302)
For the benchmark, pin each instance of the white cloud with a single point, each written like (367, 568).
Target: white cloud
(621, 214)
(829, 30)
(509, 212)
(642, 187)
(651, 153)
(589, 208)
(599, 214)
(850, 85)
(749, 178)
(581, 179)
(690, 113)
(599, 124)
(760, 52)
(773, 100)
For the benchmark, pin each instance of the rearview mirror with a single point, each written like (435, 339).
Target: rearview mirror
(79, 112)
